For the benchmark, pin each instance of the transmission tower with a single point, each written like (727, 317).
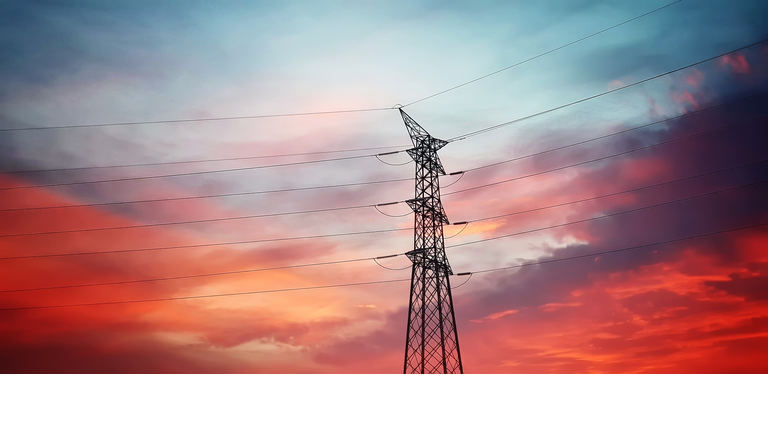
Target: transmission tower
(432, 342)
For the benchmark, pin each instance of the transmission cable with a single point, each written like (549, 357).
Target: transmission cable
(384, 181)
(207, 119)
(192, 173)
(391, 281)
(541, 55)
(613, 194)
(205, 295)
(463, 283)
(391, 153)
(609, 135)
(488, 129)
(202, 160)
(198, 275)
(604, 157)
(456, 181)
(375, 259)
(465, 223)
(222, 195)
(231, 243)
(608, 215)
(376, 205)
(191, 221)
(325, 112)
(392, 230)
(614, 250)
(391, 203)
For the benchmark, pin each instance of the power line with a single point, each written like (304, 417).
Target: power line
(193, 172)
(202, 160)
(488, 129)
(616, 193)
(391, 281)
(369, 258)
(191, 221)
(383, 181)
(194, 276)
(542, 54)
(368, 205)
(192, 120)
(375, 205)
(617, 250)
(323, 112)
(604, 157)
(206, 295)
(207, 244)
(608, 215)
(614, 134)
(222, 195)
(405, 229)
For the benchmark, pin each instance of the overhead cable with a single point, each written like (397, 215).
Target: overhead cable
(208, 119)
(465, 225)
(609, 215)
(604, 157)
(556, 260)
(688, 113)
(204, 245)
(204, 296)
(543, 262)
(221, 195)
(391, 203)
(490, 128)
(168, 278)
(542, 54)
(157, 176)
(193, 161)
(194, 221)
(616, 193)
(386, 181)
(192, 120)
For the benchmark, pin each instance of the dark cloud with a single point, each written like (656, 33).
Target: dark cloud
(752, 286)
(649, 309)
(535, 289)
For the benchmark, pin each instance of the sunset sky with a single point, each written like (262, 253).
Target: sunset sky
(692, 188)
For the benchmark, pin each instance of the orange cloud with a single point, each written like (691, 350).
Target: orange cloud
(208, 335)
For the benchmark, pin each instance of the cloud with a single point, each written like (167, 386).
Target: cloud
(736, 62)
(689, 306)
(751, 284)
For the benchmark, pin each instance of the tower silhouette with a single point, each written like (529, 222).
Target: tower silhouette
(432, 341)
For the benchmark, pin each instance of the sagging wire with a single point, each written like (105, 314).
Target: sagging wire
(388, 268)
(463, 283)
(391, 153)
(391, 203)
(466, 224)
(454, 173)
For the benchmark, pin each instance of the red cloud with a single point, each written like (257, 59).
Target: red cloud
(737, 62)
(695, 306)
(210, 335)
(695, 78)
(685, 98)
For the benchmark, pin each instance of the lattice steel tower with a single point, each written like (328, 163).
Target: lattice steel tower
(432, 342)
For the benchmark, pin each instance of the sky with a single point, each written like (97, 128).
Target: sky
(639, 247)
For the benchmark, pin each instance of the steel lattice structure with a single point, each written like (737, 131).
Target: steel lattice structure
(432, 342)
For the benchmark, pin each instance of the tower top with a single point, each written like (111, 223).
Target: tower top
(419, 135)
